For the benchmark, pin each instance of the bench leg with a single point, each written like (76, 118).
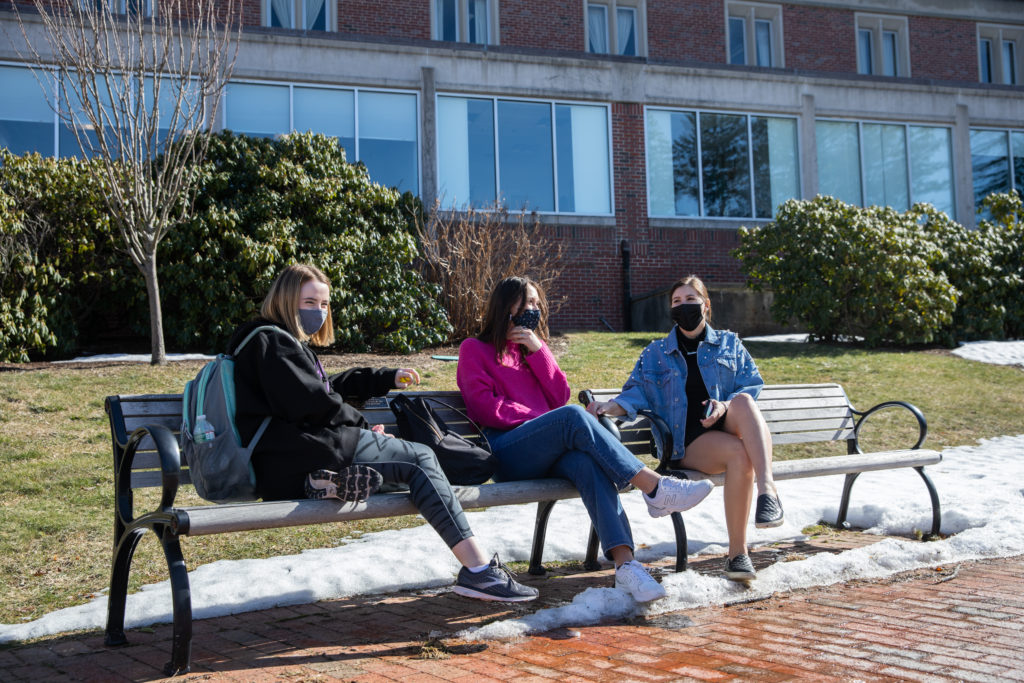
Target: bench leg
(844, 502)
(936, 509)
(181, 596)
(540, 530)
(591, 563)
(124, 550)
(680, 529)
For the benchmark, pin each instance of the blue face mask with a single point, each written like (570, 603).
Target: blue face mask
(529, 319)
(312, 319)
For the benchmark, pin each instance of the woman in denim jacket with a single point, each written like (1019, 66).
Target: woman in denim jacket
(704, 384)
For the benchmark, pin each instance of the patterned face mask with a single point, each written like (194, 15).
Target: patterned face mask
(529, 319)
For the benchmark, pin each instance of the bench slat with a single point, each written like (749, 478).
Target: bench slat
(811, 437)
(783, 427)
(215, 519)
(839, 464)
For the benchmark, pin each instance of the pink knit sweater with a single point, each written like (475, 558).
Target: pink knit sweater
(507, 394)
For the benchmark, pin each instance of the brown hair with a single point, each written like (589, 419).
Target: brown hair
(696, 283)
(504, 299)
(281, 305)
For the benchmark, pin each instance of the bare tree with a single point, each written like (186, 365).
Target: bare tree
(137, 83)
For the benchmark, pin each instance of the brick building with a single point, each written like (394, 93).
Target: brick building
(652, 128)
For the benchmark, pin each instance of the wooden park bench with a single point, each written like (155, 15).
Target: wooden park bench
(144, 431)
(795, 413)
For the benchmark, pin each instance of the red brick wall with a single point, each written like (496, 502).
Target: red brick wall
(393, 18)
(945, 49)
(692, 31)
(819, 39)
(542, 24)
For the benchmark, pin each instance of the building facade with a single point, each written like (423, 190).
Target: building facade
(644, 133)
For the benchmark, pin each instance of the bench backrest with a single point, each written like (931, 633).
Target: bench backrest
(128, 413)
(795, 413)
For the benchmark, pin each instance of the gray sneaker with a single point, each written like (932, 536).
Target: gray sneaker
(740, 568)
(494, 583)
(677, 495)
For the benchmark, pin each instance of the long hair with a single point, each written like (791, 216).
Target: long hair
(505, 298)
(281, 305)
(696, 283)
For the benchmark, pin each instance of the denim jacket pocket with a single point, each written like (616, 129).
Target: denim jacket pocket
(726, 367)
(657, 378)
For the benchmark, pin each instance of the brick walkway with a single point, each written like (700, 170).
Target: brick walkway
(964, 622)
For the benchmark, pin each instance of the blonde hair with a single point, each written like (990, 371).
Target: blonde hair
(696, 283)
(281, 305)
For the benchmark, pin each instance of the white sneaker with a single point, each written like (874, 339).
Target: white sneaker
(633, 578)
(677, 495)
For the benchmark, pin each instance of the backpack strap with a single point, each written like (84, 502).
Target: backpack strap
(254, 332)
(483, 437)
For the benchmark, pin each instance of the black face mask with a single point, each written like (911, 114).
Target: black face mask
(688, 316)
(529, 319)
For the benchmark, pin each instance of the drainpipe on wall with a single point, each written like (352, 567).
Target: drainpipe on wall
(627, 296)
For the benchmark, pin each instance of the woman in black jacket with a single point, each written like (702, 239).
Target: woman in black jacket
(316, 444)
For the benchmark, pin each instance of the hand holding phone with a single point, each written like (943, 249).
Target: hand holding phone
(709, 409)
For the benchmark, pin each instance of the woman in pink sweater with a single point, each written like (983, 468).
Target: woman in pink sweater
(515, 390)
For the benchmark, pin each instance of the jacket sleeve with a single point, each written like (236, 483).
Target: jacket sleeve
(291, 386)
(359, 384)
(633, 396)
(748, 377)
(486, 403)
(551, 378)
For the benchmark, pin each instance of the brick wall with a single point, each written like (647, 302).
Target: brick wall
(393, 18)
(943, 48)
(819, 38)
(542, 24)
(689, 31)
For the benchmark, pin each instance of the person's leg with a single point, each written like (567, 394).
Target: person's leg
(414, 464)
(715, 452)
(601, 499)
(745, 421)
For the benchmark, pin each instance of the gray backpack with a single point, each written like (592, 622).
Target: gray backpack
(220, 467)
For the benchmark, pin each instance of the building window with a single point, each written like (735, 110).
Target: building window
(997, 162)
(120, 6)
(999, 54)
(882, 47)
(615, 27)
(375, 127)
(307, 15)
(885, 164)
(467, 21)
(755, 34)
(524, 154)
(720, 165)
(26, 120)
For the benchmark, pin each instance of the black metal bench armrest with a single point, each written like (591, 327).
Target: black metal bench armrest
(661, 438)
(922, 424)
(170, 462)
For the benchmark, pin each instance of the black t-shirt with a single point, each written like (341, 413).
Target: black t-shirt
(696, 392)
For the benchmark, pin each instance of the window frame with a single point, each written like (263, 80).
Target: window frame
(299, 16)
(1009, 133)
(494, 99)
(997, 35)
(611, 13)
(225, 104)
(702, 215)
(462, 23)
(122, 6)
(878, 26)
(907, 125)
(751, 13)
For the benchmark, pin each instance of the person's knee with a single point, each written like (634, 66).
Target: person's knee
(743, 403)
(574, 412)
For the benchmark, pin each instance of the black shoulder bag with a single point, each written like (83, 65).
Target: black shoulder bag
(463, 461)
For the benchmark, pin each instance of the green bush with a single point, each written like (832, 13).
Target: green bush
(61, 266)
(842, 271)
(1006, 228)
(264, 204)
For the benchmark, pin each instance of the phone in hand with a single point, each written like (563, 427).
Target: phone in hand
(709, 408)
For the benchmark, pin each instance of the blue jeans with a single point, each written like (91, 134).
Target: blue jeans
(569, 443)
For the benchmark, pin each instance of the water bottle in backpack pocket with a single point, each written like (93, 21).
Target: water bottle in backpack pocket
(218, 463)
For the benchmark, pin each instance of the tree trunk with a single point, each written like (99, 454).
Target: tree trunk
(156, 322)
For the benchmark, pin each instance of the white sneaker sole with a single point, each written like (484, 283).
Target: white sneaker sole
(478, 595)
(690, 504)
(770, 525)
(645, 597)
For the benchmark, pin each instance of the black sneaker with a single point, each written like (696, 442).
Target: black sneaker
(740, 568)
(768, 512)
(494, 583)
(353, 484)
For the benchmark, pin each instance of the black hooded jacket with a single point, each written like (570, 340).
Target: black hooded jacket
(310, 428)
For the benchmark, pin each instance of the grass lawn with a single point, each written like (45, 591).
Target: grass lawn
(55, 457)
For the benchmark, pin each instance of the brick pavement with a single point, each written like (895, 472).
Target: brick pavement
(961, 623)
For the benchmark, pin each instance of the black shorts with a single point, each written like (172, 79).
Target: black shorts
(695, 430)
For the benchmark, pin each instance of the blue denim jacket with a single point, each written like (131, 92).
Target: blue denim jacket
(658, 380)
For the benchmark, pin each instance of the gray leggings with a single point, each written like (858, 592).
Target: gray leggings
(405, 462)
